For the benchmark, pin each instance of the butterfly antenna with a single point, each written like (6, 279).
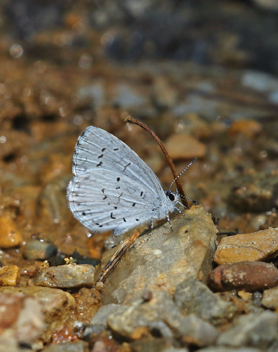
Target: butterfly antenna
(193, 201)
(191, 162)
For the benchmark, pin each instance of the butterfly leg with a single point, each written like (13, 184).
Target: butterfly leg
(179, 211)
(168, 219)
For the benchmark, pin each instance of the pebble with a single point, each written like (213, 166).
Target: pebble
(160, 261)
(270, 298)
(66, 276)
(229, 349)
(76, 346)
(248, 128)
(192, 296)
(254, 193)
(184, 146)
(260, 245)
(249, 276)
(23, 315)
(9, 275)
(9, 235)
(254, 330)
(98, 323)
(39, 250)
(57, 306)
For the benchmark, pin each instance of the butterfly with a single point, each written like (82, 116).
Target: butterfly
(113, 188)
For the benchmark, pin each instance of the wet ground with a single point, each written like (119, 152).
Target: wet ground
(206, 90)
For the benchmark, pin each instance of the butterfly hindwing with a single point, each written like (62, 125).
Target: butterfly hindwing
(103, 200)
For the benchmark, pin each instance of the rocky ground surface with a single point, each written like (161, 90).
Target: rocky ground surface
(209, 285)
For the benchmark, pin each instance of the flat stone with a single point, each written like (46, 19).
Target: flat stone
(260, 245)
(164, 260)
(66, 276)
(270, 298)
(9, 275)
(9, 235)
(57, 306)
(76, 346)
(184, 146)
(39, 250)
(248, 276)
(192, 296)
(254, 330)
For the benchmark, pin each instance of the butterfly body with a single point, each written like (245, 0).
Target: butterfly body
(112, 187)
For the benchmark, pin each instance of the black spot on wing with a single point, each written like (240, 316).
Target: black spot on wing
(100, 163)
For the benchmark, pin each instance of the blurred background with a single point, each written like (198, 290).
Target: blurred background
(202, 74)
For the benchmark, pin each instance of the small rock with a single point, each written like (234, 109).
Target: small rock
(254, 330)
(57, 306)
(98, 323)
(133, 322)
(76, 346)
(165, 95)
(248, 276)
(260, 81)
(248, 128)
(65, 276)
(9, 275)
(197, 331)
(260, 245)
(39, 250)
(270, 298)
(164, 260)
(173, 349)
(192, 296)
(51, 203)
(9, 235)
(22, 315)
(184, 146)
(229, 349)
(126, 96)
(255, 193)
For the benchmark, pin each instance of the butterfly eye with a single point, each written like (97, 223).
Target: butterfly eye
(170, 195)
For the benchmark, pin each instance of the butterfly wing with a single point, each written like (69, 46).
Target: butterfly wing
(97, 149)
(103, 200)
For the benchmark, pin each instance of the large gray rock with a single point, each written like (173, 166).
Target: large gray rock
(165, 260)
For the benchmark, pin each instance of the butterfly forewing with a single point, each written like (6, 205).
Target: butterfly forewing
(97, 149)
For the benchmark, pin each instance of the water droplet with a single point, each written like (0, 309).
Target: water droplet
(16, 51)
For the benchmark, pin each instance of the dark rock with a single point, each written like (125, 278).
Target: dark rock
(192, 296)
(249, 276)
(39, 250)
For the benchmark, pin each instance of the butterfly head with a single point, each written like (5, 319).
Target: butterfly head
(172, 196)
